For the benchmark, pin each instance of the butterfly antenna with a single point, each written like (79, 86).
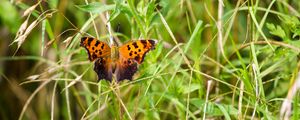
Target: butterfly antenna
(118, 28)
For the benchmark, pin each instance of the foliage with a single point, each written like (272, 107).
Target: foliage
(214, 59)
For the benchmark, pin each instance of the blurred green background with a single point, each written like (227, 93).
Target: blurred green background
(248, 49)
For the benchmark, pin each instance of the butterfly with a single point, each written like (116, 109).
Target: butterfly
(121, 62)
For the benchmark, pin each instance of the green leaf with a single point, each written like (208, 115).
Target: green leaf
(96, 7)
(224, 111)
(292, 23)
(296, 33)
(150, 9)
(120, 7)
(277, 31)
(165, 5)
(114, 14)
(192, 88)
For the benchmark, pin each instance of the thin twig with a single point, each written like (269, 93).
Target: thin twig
(240, 114)
(271, 42)
(209, 82)
(94, 24)
(111, 39)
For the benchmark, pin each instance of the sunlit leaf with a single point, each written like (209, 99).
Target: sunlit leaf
(277, 31)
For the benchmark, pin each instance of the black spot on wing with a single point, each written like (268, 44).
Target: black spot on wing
(144, 42)
(102, 46)
(128, 47)
(137, 58)
(129, 61)
(90, 40)
(97, 43)
(152, 42)
(135, 45)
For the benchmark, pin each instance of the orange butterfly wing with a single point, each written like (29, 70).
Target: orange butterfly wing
(137, 50)
(130, 55)
(95, 48)
(100, 52)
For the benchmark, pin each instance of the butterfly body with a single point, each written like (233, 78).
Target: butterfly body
(118, 62)
(114, 53)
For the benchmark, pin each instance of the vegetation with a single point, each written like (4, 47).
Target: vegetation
(214, 59)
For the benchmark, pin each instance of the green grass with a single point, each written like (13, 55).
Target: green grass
(227, 60)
